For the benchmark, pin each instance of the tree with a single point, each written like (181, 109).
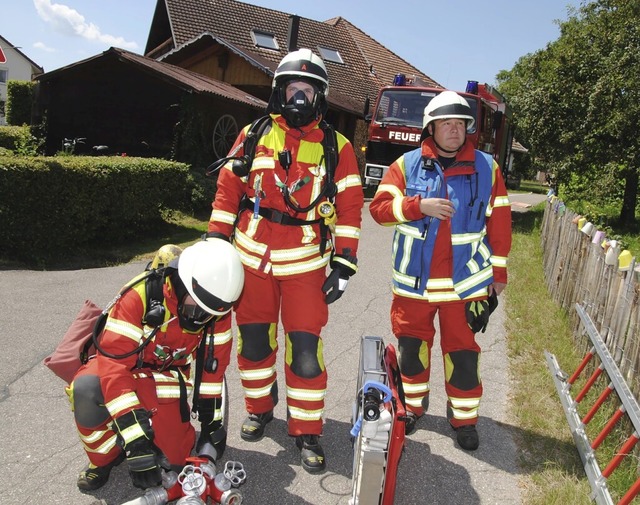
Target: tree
(577, 102)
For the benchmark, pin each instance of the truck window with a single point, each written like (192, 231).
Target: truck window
(474, 112)
(402, 107)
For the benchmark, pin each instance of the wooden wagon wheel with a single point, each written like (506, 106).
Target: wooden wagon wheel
(225, 133)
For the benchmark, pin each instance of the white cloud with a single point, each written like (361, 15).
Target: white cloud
(44, 47)
(70, 22)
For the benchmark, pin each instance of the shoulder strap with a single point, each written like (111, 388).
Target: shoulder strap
(331, 155)
(154, 280)
(154, 315)
(255, 132)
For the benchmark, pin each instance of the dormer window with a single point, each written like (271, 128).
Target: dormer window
(265, 39)
(330, 55)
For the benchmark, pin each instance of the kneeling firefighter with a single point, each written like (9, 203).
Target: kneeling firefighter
(130, 400)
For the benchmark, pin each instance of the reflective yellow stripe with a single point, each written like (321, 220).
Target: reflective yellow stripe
(411, 231)
(347, 231)
(499, 261)
(413, 402)
(350, 181)
(466, 238)
(123, 402)
(220, 338)
(263, 162)
(103, 448)
(222, 216)
(440, 284)
(398, 214)
(305, 394)
(128, 330)
(460, 403)
(464, 414)
(259, 374)
(249, 244)
(300, 267)
(286, 255)
(421, 387)
(211, 388)
(475, 279)
(168, 391)
(502, 201)
(94, 436)
(258, 392)
(305, 415)
(132, 432)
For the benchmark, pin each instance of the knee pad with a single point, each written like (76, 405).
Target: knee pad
(412, 355)
(88, 402)
(305, 354)
(255, 340)
(461, 369)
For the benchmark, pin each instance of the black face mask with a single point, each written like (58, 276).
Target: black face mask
(298, 111)
(192, 317)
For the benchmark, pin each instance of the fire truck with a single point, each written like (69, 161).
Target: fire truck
(395, 125)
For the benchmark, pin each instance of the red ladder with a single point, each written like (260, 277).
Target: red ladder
(629, 407)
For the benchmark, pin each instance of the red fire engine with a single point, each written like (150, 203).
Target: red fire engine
(395, 125)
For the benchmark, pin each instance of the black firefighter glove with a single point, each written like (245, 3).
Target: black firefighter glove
(145, 460)
(343, 266)
(479, 311)
(211, 430)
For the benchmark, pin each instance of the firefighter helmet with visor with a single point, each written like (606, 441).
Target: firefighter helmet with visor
(299, 110)
(446, 105)
(213, 276)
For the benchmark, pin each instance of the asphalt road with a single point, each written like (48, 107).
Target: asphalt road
(40, 455)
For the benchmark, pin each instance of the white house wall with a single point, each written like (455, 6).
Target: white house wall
(19, 69)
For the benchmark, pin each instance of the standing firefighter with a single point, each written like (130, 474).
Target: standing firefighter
(293, 201)
(130, 401)
(452, 219)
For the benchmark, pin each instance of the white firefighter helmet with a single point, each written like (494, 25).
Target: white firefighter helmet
(305, 66)
(302, 64)
(447, 105)
(212, 274)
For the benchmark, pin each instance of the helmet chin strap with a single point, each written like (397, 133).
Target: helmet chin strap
(440, 148)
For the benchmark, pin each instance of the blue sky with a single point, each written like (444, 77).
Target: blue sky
(449, 40)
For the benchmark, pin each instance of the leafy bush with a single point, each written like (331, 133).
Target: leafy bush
(10, 136)
(51, 206)
(20, 140)
(19, 102)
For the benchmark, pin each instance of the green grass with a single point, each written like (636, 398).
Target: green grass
(533, 187)
(535, 324)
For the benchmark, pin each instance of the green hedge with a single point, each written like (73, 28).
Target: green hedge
(12, 136)
(49, 205)
(19, 101)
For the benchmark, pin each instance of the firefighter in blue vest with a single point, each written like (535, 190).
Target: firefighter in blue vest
(449, 205)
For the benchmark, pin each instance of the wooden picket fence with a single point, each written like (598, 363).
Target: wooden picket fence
(576, 273)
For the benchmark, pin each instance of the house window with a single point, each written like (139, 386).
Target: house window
(265, 39)
(4, 76)
(330, 55)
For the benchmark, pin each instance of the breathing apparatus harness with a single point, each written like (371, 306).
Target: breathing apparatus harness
(241, 167)
(154, 316)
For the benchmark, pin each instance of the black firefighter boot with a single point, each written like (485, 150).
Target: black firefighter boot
(94, 477)
(311, 453)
